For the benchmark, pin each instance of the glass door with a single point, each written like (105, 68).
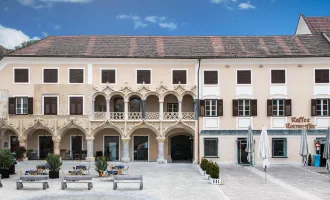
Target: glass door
(111, 147)
(46, 146)
(242, 154)
(141, 148)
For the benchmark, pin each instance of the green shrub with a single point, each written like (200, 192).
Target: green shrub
(54, 162)
(6, 159)
(101, 164)
(20, 151)
(214, 170)
(204, 164)
(309, 160)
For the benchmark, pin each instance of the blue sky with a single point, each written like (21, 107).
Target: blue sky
(32, 19)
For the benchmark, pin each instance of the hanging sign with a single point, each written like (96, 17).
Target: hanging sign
(299, 123)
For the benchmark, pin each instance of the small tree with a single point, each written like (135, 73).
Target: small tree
(20, 151)
(101, 165)
(6, 159)
(54, 162)
(214, 170)
(204, 164)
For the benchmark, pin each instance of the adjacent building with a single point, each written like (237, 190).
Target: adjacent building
(167, 98)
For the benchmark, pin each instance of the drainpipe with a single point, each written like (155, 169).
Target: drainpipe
(199, 66)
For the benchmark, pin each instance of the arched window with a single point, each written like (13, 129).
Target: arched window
(119, 105)
(135, 105)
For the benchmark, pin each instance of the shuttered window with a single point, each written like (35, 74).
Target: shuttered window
(50, 106)
(210, 77)
(243, 76)
(76, 105)
(210, 147)
(322, 107)
(108, 76)
(179, 77)
(50, 76)
(20, 105)
(245, 107)
(278, 76)
(279, 107)
(21, 75)
(76, 75)
(322, 76)
(212, 108)
(143, 76)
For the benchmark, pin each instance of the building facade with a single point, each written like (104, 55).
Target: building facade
(165, 99)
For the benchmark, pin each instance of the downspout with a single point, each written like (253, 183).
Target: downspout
(198, 108)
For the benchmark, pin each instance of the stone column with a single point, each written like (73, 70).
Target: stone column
(107, 115)
(195, 109)
(57, 142)
(92, 108)
(126, 109)
(161, 109)
(2, 133)
(196, 150)
(143, 108)
(161, 159)
(90, 149)
(22, 142)
(180, 109)
(125, 157)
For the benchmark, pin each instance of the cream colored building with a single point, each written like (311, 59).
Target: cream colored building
(164, 99)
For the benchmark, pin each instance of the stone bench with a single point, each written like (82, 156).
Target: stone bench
(32, 179)
(127, 179)
(77, 179)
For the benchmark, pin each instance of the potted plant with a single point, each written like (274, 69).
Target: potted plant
(54, 164)
(20, 151)
(309, 160)
(214, 172)
(6, 161)
(203, 166)
(208, 169)
(101, 165)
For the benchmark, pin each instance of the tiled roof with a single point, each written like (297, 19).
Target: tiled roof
(178, 46)
(3, 51)
(318, 24)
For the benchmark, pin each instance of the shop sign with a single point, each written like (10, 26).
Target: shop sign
(299, 123)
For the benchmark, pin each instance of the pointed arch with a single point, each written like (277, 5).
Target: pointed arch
(99, 94)
(71, 125)
(182, 125)
(104, 125)
(37, 125)
(5, 125)
(143, 124)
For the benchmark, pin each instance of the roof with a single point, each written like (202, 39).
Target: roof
(3, 51)
(177, 47)
(318, 25)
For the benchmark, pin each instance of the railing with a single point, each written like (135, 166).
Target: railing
(100, 115)
(188, 115)
(117, 115)
(135, 115)
(152, 115)
(171, 115)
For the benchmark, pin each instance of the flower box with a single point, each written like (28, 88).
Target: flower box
(207, 176)
(215, 181)
(201, 171)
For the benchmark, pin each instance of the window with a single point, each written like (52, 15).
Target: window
(210, 108)
(21, 105)
(50, 76)
(76, 75)
(322, 108)
(143, 76)
(279, 147)
(50, 106)
(179, 77)
(243, 108)
(278, 107)
(322, 76)
(76, 105)
(210, 147)
(119, 105)
(243, 76)
(108, 75)
(21, 75)
(278, 76)
(172, 107)
(210, 77)
(135, 105)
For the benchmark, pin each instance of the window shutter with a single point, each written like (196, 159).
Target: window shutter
(220, 107)
(235, 107)
(328, 107)
(313, 107)
(30, 106)
(269, 107)
(201, 108)
(112, 76)
(12, 105)
(254, 107)
(288, 109)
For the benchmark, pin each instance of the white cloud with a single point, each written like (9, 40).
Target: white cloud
(154, 19)
(57, 27)
(10, 38)
(6, 8)
(171, 26)
(246, 6)
(44, 34)
(38, 4)
(222, 1)
(138, 23)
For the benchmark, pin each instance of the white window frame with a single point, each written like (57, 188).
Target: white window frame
(108, 69)
(211, 110)
(84, 74)
(278, 110)
(286, 76)
(244, 108)
(21, 68)
(211, 70)
(83, 106)
(43, 103)
(171, 105)
(320, 99)
(179, 70)
(27, 110)
(58, 75)
(314, 76)
(244, 70)
(137, 69)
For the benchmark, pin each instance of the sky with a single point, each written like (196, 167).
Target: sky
(22, 20)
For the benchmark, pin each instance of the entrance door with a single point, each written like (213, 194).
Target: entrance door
(241, 153)
(46, 146)
(14, 143)
(181, 148)
(323, 160)
(111, 147)
(76, 147)
(141, 148)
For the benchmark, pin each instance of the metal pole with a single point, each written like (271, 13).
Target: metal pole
(265, 174)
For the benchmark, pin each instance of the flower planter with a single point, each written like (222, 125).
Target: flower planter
(5, 173)
(215, 181)
(201, 171)
(207, 176)
(53, 175)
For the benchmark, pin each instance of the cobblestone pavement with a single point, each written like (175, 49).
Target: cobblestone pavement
(314, 183)
(168, 181)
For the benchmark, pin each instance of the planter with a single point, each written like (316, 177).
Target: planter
(53, 175)
(207, 176)
(215, 181)
(100, 174)
(201, 171)
(4, 173)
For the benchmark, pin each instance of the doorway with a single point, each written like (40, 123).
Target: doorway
(141, 146)
(76, 147)
(14, 143)
(181, 148)
(323, 162)
(46, 146)
(241, 153)
(111, 147)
